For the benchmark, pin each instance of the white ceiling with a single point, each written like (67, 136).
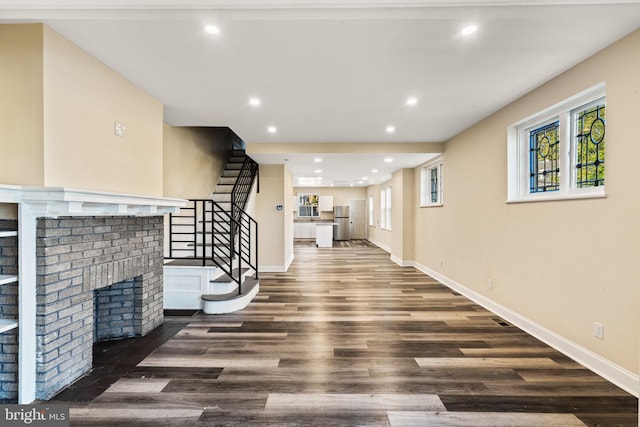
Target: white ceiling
(335, 71)
(343, 170)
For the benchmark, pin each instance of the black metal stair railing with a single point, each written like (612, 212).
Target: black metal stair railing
(208, 234)
(247, 240)
(242, 188)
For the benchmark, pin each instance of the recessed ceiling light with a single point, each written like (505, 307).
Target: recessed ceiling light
(360, 182)
(374, 170)
(318, 171)
(212, 29)
(272, 129)
(412, 101)
(317, 160)
(391, 129)
(364, 178)
(350, 185)
(388, 160)
(469, 29)
(254, 102)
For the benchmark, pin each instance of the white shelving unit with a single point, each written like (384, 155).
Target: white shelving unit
(8, 324)
(5, 279)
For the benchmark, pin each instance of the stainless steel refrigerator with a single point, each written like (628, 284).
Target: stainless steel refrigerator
(341, 220)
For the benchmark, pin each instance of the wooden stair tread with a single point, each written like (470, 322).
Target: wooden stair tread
(247, 286)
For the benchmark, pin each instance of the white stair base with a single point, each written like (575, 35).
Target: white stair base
(229, 305)
(184, 286)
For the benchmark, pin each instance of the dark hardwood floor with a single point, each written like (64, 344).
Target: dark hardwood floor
(345, 338)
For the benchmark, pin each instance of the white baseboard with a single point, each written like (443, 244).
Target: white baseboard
(618, 375)
(288, 263)
(380, 245)
(402, 263)
(276, 268)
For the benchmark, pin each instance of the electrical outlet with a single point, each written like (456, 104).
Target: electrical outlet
(441, 263)
(119, 129)
(490, 284)
(598, 330)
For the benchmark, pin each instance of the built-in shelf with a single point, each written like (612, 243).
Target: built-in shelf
(6, 279)
(8, 324)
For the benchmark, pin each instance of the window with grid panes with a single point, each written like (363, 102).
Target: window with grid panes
(559, 153)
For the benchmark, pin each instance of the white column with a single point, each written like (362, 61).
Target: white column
(27, 305)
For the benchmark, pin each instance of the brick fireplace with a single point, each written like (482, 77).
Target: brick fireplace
(97, 278)
(77, 266)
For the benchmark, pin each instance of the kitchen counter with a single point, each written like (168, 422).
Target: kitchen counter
(308, 229)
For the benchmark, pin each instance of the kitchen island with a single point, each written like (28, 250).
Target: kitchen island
(324, 234)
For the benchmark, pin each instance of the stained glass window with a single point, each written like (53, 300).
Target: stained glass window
(590, 141)
(544, 162)
(434, 185)
(559, 152)
(431, 183)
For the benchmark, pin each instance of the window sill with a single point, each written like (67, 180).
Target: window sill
(559, 197)
(435, 205)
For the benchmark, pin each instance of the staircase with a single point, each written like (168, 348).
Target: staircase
(213, 258)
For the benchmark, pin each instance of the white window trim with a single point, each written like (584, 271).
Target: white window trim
(371, 223)
(518, 152)
(425, 183)
(389, 207)
(385, 208)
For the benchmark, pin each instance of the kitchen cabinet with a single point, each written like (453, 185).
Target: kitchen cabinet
(309, 231)
(326, 203)
(304, 230)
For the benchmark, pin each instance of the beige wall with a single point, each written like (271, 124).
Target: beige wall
(82, 99)
(379, 236)
(288, 218)
(193, 159)
(57, 113)
(8, 211)
(562, 264)
(399, 241)
(402, 214)
(273, 236)
(21, 111)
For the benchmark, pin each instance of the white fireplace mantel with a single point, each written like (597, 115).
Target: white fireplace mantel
(39, 202)
(59, 201)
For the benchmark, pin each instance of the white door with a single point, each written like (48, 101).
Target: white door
(358, 219)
